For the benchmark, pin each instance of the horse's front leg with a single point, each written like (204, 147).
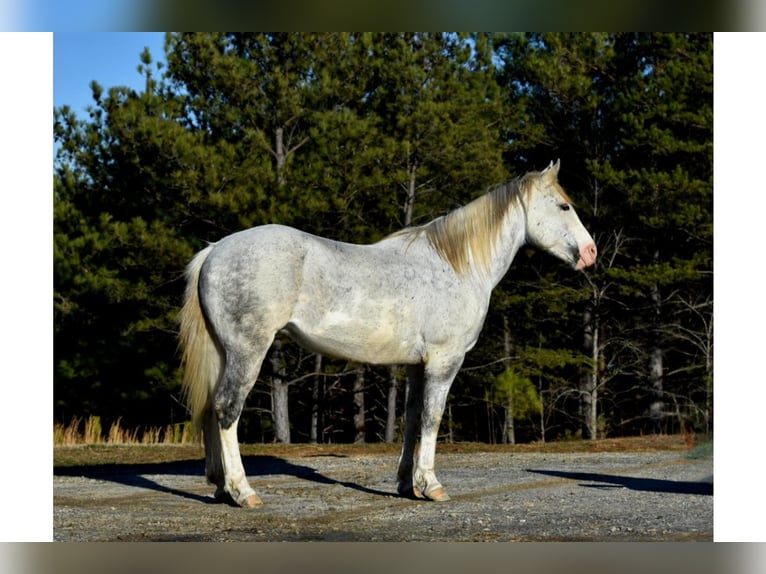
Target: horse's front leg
(438, 380)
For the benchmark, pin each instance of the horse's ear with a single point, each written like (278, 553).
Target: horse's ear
(550, 173)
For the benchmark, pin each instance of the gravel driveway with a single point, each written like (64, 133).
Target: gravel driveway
(622, 496)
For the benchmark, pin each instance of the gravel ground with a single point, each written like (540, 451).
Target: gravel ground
(621, 496)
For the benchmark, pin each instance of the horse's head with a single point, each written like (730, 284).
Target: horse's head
(552, 223)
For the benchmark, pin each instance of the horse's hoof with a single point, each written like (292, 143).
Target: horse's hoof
(221, 495)
(224, 497)
(410, 492)
(438, 494)
(252, 501)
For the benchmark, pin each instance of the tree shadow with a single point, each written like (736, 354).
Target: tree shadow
(135, 475)
(633, 483)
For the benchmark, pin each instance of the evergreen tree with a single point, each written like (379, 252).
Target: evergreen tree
(664, 175)
(559, 94)
(603, 101)
(119, 252)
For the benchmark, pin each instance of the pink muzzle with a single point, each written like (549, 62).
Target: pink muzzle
(588, 255)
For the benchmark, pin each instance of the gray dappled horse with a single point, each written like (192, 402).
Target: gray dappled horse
(416, 298)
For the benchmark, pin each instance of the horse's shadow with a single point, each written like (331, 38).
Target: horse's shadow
(633, 483)
(136, 475)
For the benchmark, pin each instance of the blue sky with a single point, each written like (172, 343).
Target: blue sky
(110, 58)
(93, 15)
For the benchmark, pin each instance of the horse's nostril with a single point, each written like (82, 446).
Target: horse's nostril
(587, 255)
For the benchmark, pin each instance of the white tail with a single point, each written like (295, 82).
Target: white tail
(202, 358)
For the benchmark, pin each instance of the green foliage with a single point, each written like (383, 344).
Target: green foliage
(511, 388)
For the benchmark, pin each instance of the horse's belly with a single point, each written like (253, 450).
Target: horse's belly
(339, 335)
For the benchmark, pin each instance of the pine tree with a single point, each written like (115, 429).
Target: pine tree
(559, 95)
(663, 174)
(630, 116)
(120, 181)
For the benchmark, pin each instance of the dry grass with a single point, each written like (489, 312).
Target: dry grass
(89, 432)
(140, 452)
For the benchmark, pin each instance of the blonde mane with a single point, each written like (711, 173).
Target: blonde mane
(471, 231)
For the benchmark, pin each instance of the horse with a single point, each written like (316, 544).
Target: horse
(417, 298)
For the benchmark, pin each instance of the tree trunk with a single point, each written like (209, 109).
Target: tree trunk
(279, 396)
(589, 382)
(317, 396)
(409, 202)
(359, 426)
(281, 155)
(279, 388)
(509, 431)
(656, 406)
(393, 386)
(542, 409)
(490, 408)
(395, 371)
(709, 380)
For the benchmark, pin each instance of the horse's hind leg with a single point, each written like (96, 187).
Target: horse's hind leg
(238, 379)
(213, 454)
(413, 408)
(235, 482)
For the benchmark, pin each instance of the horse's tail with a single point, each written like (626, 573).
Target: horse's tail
(202, 358)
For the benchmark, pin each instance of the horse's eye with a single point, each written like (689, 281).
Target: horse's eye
(564, 207)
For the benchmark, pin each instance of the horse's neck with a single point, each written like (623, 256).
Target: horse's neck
(512, 236)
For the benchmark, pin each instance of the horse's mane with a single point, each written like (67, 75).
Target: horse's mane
(471, 231)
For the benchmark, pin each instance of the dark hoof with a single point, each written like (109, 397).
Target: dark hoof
(410, 492)
(224, 498)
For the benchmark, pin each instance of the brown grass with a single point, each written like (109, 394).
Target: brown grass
(89, 432)
(140, 452)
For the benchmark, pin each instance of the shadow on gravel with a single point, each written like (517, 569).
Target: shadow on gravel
(255, 465)
(633, 483)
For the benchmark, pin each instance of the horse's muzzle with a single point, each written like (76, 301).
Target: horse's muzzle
(588, 254)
